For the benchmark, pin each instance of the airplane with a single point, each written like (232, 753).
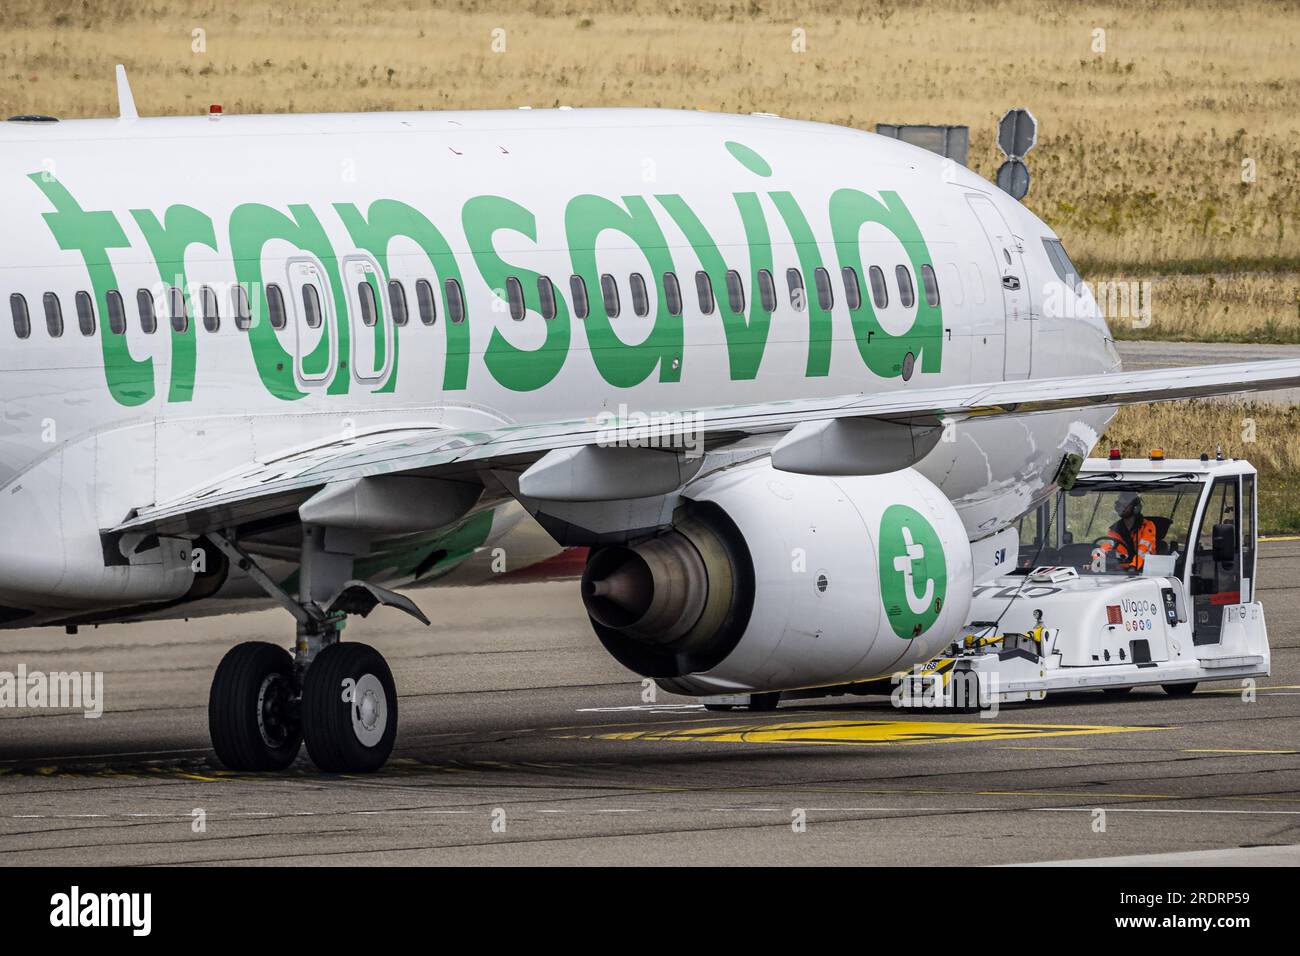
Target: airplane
(791, 384)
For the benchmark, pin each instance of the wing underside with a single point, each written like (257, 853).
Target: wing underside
(277, 486)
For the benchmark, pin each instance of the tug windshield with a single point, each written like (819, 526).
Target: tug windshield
(1106, 525)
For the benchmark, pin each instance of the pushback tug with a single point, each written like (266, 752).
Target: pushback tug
(1074, 615)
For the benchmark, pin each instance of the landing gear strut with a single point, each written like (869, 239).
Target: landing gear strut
(339, 698)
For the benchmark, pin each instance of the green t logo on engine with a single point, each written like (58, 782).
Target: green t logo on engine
(913, 572)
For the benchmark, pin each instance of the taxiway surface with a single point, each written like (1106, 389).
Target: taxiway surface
(522, 742)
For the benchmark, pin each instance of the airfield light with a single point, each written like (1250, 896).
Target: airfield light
(214, 109)
(1157, 454)
(1115, 454)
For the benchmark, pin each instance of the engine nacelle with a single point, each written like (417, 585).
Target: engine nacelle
(776, 581)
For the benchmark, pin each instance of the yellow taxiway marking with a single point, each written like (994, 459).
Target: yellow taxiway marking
(1238, 689)
(868, 732)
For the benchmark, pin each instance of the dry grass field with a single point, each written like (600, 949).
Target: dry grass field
(1222, 307)
(1140, 160)
(1170, 133)
(1267, 435)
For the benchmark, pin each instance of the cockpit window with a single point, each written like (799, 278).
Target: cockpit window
(1065, 269)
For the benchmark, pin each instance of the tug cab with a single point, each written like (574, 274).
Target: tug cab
(1204, 512)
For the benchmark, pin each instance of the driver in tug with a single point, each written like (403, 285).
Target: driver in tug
(1133, 536)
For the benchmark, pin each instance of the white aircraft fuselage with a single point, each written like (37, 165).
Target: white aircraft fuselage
(104, 410)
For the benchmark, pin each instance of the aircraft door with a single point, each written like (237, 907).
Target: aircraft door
(1216, 573)
(1015, 291)
(310, 311)
(372, 325)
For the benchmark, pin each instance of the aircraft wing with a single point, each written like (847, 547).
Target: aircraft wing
(279, 484)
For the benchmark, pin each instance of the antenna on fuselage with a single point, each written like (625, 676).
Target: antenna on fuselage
(125, 101)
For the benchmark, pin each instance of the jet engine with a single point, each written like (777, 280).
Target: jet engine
(774, 581)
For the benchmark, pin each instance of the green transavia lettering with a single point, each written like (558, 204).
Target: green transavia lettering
(640, 219)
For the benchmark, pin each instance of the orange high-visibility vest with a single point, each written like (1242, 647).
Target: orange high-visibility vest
(1131, 551)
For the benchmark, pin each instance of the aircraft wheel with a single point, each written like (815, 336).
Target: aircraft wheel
(764, 702)
(349, 709)
(252, 717)
(1179, 690)
(719, 708)
(1117, 691)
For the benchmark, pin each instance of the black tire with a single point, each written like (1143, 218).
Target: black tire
(252, 718)
(1179, 690)
(718, 708)
(764, 702)
(349, 736)
(1117, 691)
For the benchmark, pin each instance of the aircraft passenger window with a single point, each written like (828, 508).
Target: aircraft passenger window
(365, 294)
(879, 291)
(240, 308)
(211, 316)
(53, 315)
(275, 307)
(975, 283)
(86, 313)
(578, 289)
(144, 305)
(640, 297)
(735, 292)
(952, 281)
(852, 291)
(798, 297)
(116, 314)
(455, 301)
(176, 302)
(906, 296)
(427, 304)
(825, 294)
(546, 293)
(515, 296)
(672, 293)
(704, 291)
(930, 282)
(397, 299)
(22, 318)
(609, 295)
(766, 291)
(311, 306)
